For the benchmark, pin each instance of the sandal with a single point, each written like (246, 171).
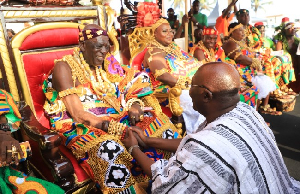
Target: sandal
(268, 110)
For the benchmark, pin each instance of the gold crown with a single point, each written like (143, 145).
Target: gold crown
(159, 22)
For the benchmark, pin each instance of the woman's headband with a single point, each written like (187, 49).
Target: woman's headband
(209, 31)
(159, 22)
(236, 27)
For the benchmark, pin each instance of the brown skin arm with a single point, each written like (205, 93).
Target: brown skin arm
(242, 59)
(279, 46)
(62, 80)
(199, 54)
(158, 62)
(181, 27)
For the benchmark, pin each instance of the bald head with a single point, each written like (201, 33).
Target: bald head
(218, 77)
(215, 88)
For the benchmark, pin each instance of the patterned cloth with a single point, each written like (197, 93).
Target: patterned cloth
(102, 155)
(12, 180)
(236, 153)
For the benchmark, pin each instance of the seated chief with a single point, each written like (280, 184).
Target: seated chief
(91, 99)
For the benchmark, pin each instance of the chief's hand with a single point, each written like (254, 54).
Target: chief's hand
(130, 140)
(135, 114)
(139, 134)
(9, 149)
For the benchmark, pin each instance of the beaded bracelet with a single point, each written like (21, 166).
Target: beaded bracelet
(256, 63)
(130, 102)
(115, 128)
(237, 55)
(131, 148)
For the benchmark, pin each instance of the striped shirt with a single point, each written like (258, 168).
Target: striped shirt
(236, 153)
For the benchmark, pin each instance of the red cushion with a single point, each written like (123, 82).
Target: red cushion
(51, 38)
(79, 172)
(37, 66)
(138, 60)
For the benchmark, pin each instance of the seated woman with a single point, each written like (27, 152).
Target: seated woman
(169, 66)
(250, 67)
(90, 88)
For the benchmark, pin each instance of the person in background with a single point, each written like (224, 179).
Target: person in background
(12, 180)
(268, 43)
(10, 34)
(172, 19)
(223, 21)
(207, 50)
(232, 151)
(196, 18)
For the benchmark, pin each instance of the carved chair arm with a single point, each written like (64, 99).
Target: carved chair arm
(49, 142)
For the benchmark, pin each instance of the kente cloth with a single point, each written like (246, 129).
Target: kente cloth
(202, 20)
(236, 153)
(222, 26)
(14, 181)
(9, 108)
(217, 52)
(100, 154)
(253, 38)
(177, 67)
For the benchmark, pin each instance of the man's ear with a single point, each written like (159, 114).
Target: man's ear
(82, 46)
(207, 95)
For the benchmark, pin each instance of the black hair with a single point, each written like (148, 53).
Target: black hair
(226, 95)
(13, 32)
(196, 1)
(232, 25)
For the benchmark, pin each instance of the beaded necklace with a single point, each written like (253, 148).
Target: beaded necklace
(103, 88)
(209, 53)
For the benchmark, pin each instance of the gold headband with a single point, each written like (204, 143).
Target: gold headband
(233, 29)
(159, 22)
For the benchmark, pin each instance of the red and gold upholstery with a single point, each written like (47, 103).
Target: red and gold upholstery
(35, 50)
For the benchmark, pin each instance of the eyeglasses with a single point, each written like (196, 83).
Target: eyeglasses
(202, 86)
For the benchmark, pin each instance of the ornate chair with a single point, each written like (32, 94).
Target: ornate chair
(26, 61)
(138, 41)
(35, 50)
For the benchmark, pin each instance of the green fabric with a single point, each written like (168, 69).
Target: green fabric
(25, 184)
(268, 43)
(202, 20)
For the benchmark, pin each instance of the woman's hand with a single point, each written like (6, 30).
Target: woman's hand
(136, 114)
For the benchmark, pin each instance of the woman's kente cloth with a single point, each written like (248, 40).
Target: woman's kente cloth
(179, 67)
(253, 38)
(12, 180)
(102, 155)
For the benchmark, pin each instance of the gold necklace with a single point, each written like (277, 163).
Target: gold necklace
(169, 50)
(241, 44)
(210, 53)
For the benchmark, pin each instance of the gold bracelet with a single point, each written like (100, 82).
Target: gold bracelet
(159, 72)
(256, 63)
(237, 55)
(115, 128)
(70, 91)
(131, 148)
(182, 82)
(130, 102)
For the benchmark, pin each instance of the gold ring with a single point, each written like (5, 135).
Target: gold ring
(141, 117)
(13, 148)
(9, 151)
(133, 117)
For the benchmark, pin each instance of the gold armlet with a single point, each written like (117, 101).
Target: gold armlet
(69, 91)
(182, 82)
(237, 55)
(233, 51)
(130, 102)
(256, 63)
(159, 72)
(117, 129)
